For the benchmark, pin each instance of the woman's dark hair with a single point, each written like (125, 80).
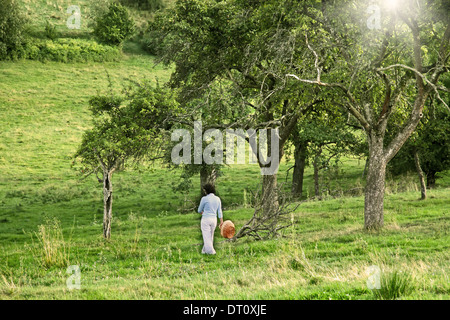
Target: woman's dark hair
(209, 188)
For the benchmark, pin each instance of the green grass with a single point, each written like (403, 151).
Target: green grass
(50, 218)
(46, 108)
(324, 255)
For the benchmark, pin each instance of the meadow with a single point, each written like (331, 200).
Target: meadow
(51, 217)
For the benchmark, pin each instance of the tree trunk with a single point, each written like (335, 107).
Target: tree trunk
(316, 176)
(374, 192)
(316, 166)
(423, 188)
(107, 203)
(365, 168)
(269, 197)
(208, 174)
(299, 169)
(431, 179)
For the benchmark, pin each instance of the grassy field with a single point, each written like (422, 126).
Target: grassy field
(50, 218)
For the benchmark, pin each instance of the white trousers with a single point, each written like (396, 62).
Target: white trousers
(208, 225)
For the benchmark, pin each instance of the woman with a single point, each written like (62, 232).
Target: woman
(210, 207)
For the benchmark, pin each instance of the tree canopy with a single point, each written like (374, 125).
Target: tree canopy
(279, 59)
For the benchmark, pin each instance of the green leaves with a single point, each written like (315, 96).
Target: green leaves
(127, 127)
(99, 104)
(69, 50)
(12, 26)
(432, 142)
(114, 26)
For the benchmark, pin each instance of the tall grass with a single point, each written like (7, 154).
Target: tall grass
(52, 249)
(394, 285)
(8, 286)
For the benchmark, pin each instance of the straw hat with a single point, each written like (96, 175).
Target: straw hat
(227, 230)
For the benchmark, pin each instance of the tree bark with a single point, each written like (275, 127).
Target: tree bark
(269, 197)
(107, 203)
(299, 168)
(316, 176)
(423, 188)
(375, 184)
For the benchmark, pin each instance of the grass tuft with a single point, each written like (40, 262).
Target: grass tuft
(52, 250)
(394, 285)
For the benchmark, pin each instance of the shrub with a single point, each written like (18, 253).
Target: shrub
(70, 50)
(150, 5)
(50, 31)
(155, 40)
(12, 26)
(151, 43)
(114, 26)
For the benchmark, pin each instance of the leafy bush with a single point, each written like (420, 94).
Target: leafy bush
(50, 31)
(150, 5)
(156, 38)
(70, 50)
(431, 141)
(12, 26)
(151, 42)
(114, 26)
